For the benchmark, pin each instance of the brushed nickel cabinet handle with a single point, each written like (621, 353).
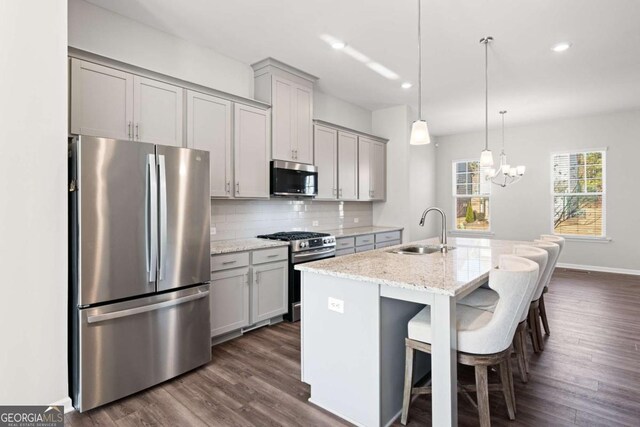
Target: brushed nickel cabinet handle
(129, 130)
(137, 130)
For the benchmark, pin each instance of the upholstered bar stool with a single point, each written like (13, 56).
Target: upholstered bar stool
(487, 299)
(484, 337)
(543, 310)
(535, 330)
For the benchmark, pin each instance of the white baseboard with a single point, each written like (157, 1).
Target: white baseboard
(600, 269)
(66, 402)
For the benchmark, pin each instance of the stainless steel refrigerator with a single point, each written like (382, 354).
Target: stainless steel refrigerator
(140, 253)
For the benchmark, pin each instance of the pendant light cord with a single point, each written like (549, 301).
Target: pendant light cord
(486, 94)
(419, 62)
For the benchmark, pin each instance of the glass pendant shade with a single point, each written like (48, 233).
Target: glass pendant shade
(486, 159)
(521, 170)
(419, 133)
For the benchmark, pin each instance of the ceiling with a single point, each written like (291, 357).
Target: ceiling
(601, 72)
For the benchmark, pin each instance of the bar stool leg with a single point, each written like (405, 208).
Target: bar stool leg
(483, 395)
(520, 355)
(543, 316)
(532, 330)
(408, 384)
(506, 379)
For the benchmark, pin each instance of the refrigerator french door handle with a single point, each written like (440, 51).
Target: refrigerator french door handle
(137, 310)
(151, 218)
(163, 216)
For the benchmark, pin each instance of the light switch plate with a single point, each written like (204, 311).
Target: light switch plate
(336, 305)
(315, 223)
(356, 220)
(213, 230)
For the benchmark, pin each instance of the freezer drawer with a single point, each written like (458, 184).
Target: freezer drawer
(129, 346)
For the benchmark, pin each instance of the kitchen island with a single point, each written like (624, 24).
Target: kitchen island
(355, 311)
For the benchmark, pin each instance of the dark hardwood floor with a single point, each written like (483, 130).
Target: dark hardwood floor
(588, 374)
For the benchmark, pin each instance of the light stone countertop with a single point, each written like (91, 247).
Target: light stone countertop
(450, 274)
(241, 245)
(360, 231)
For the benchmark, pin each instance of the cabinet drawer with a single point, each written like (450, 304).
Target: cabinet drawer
(365, 240)
(347, 251)
(388, 236)
(345, 242)
(226, 261)
(270, 255)
(387, 244)
(364, 248)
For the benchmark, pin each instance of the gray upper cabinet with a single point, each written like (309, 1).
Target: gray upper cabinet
(371, 169)
(325, 142)
(290, 93)
(101, 101)
(251, 152)
(157, 112)
(209, 122)
(269, 292)
(347, 166)
(110, 103)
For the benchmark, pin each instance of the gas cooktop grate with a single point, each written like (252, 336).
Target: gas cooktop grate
(288, 236)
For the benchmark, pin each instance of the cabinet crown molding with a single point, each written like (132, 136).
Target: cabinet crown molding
(346, 129)
(269, 63)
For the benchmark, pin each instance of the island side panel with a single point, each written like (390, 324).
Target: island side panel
(444, 361)
(394, 318)
(341, 351)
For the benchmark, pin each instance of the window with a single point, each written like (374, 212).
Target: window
(472, 194)
(579, 193)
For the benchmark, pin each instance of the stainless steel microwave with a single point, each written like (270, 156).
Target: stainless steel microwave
(290, 179)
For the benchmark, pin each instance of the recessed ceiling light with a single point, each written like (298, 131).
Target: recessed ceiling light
(338, 45)
(561, 47)
(406, 85)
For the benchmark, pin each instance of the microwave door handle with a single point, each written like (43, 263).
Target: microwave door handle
(163, 216)
(151, 218)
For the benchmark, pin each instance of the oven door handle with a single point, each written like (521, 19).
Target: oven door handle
(314, 253)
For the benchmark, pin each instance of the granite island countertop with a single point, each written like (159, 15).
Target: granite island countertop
(241, 245)
(451, 274)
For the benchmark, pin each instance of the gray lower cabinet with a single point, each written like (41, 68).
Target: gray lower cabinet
(229, 300)
(367, 242)
(248, 289)
(269, 291)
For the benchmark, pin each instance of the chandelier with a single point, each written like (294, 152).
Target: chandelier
(505, 174)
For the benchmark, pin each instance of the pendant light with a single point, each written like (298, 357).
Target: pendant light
(486, 157)
(419, 130)
(505, 174)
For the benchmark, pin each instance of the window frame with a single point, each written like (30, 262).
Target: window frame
(603, 193)
(456, 196)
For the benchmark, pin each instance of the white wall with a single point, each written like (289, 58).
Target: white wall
(105, 33)
(334, 110)
(410, 175)
(523, 211)
(33, 183)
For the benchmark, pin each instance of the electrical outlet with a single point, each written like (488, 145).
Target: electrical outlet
(213, 230)
(315, 223)
(336, 305)
(356, 220)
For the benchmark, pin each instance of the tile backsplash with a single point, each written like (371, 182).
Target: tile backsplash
(239, 219)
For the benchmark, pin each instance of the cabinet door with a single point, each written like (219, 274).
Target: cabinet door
(302, 118)
(101, 101)
(347, 166)
(269, 292)
(209, 128)
(282, 97)
(157, 112)
(326, 159)
(229, 300)
(378, 171)
(364, 169)
(251, 152)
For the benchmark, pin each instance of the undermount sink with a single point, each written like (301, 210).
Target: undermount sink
(419, 250)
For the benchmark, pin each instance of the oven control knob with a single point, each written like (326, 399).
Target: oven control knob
(325, 240)
(303, 244)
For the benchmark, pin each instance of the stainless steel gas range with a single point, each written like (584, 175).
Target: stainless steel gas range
(304, 247)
